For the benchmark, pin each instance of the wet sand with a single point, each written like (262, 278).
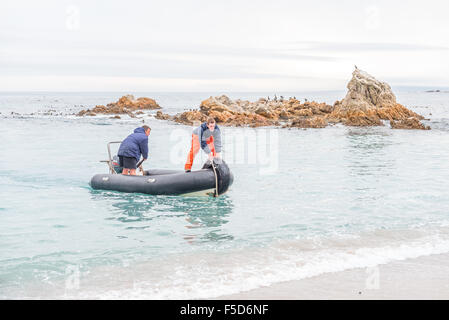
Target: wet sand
(421, 278)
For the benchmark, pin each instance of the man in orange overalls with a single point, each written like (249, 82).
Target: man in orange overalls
(208, 137)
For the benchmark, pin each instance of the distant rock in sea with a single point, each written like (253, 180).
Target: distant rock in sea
(437, 91)
(369, 101)
(125, 105)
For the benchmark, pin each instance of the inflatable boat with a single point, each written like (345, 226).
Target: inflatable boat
(213, 179)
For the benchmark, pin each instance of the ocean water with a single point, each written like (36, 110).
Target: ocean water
(303, 202)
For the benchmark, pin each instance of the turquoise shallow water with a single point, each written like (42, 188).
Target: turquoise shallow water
(303, 202)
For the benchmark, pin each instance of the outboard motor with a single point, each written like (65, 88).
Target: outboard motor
(116, 165)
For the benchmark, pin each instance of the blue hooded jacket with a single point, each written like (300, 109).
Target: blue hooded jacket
(134, 145)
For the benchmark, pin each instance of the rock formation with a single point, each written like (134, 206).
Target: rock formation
(263, 112)
(369, 101)
(125, 105)
(410, 123)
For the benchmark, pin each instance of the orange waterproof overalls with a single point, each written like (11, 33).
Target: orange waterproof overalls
(196, 147)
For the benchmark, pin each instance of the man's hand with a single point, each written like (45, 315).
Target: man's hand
(211, 156)
(218, 155)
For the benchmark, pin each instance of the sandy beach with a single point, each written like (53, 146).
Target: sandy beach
(421, 278)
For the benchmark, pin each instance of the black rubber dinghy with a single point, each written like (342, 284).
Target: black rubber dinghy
(170, 182)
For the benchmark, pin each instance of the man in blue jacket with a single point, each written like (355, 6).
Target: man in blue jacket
(131, 148)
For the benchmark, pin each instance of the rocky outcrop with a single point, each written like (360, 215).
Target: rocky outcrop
(162, 116)
(410, 123)
(312, 122)
(263, 112)
(125, 105)
(369, 101)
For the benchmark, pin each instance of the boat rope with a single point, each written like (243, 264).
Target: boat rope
(216, 180)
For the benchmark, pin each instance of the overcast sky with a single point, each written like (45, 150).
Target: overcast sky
(220, 45)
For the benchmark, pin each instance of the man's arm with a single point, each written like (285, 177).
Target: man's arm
(217, 140)
(203, 142)
(144, 148)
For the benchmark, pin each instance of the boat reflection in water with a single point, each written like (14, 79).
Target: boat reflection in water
(194, 219)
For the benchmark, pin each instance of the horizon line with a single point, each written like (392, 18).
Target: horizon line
(208, 91)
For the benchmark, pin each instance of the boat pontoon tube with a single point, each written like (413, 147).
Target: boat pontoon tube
(169, 182)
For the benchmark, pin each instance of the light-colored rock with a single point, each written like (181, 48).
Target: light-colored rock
(367, 102)
(365, 93)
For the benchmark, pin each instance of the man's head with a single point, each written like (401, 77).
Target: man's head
(147, 130)
(211, 123)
